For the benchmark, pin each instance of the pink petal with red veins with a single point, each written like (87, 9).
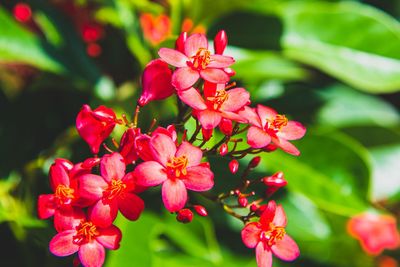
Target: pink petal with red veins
(194, 154)
(92, 254)
(173, 57)
(286, 249)
(46, 206)
(286, 146)
(269, 213)
(292, 131)
(131, 206)
(174, 195)
(103, 213)
(219, 61)
(209, 119)
(257, 138)
(112, 167)
(150, 173)
(109, 237)
(92, 186)
(192, 98)
(214, 75)
(199, 178)
(184, 78)
(237, 98)
(250, 115)
(280, 217)
(58, 176)
(163, 148)
(194, 43)
(265, 113)
(263, 256)
(68, 218)
(61, 245)
(251, 234)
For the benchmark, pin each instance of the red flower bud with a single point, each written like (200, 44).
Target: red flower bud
(274, 182)
(223, 149)
(22, 12)
(254, 162)
(90, 163)
(127, 145)
(156, 82)
(220, 42)
(253, 207)
(226, 127)
(95, 126)
(242, 201)
(180, 42)
(207, 133)
(184, 216)
(270, 147)
(234, 166)
(200, 210)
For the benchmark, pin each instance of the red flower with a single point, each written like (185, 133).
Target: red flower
(156, 82)
(375, 232)
(112, 191)
(177, 169)
(156, 29)
(217, 103)
(269, 237)
(95, 126)
(267, 125)
(86, 238)
(196, 62)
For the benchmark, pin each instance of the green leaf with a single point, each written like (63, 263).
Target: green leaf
(353, 42)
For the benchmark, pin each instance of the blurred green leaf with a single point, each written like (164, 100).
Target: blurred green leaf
(350, 41)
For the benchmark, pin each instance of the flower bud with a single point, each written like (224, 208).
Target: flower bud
(274, 182)
(223, 149)
(207, 133)
(200, 210)
(253, 207)
(90, 163)
(242, 201)
(180, 42)
(127, 145)
(184, 216)
(156, 82)
(94, 126)
(220, 42)
(234, 166)
(254, 162)
(226, 127)
(270, 147)
(22, 12)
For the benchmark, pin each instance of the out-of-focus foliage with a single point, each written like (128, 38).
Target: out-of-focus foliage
(334, 65)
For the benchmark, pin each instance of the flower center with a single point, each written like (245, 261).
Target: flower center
(201, 59)
(115, 188)
(64, 194)
(86, 231)
(216, 101)
(176, 167)
(273, 234)
(277, 123)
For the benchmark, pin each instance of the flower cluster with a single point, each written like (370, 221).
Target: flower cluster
(87, 196)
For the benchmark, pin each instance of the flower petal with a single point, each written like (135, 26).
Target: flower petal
(280, 217)
(265, 113)
(109, 237)
(92, 254)
(192, 98)
(173, 57)
(174, 195)
(263, 256)
(184, 78)
(150, 173)
(209, 119)
(199, 178)
(286, 146)
(194, 42)
(58, 176)
(214, 75)
(257, 138)
(162, 148)
(292, 131)
(251, 234)
(61, 245)
(112, 167)
(237, 98)
(286, 249)
(104, 212)
(269, 213)
(193, 153)
(92, 186)
(250, 115)
(46, 206)
(130, 206)
(68, 218)
(220, 61)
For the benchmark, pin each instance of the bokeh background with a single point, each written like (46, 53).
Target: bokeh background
(333, 65)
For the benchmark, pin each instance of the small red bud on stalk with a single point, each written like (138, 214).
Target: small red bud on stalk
(90, 163)
(22, 12)
(274, 182)
(207, 133)
(180, 42)
(223, 149)
(220, 42)
(253, 207)
(254, 162)
(184, 216)
(243, 201)
(234, 166)
(200, 210)
(226, 127)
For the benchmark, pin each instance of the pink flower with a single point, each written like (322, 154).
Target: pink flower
(196, 62)
(375, 232)
(156, 82)
(218, 103)
(86, 238)
(95, 126)
(269, 237)
(177, 169)
(267, 125)
(112, 191)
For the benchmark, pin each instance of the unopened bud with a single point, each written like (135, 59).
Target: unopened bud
(207, 133)
(270, 147)
(253, 207)
(180, 42)
(223, 149)
(274, 182)
(184, 216)
(254, 162)
(234, 166)
(220, 42)
(242, 201)
(226, 127)
(90, 163)
(200, 210)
